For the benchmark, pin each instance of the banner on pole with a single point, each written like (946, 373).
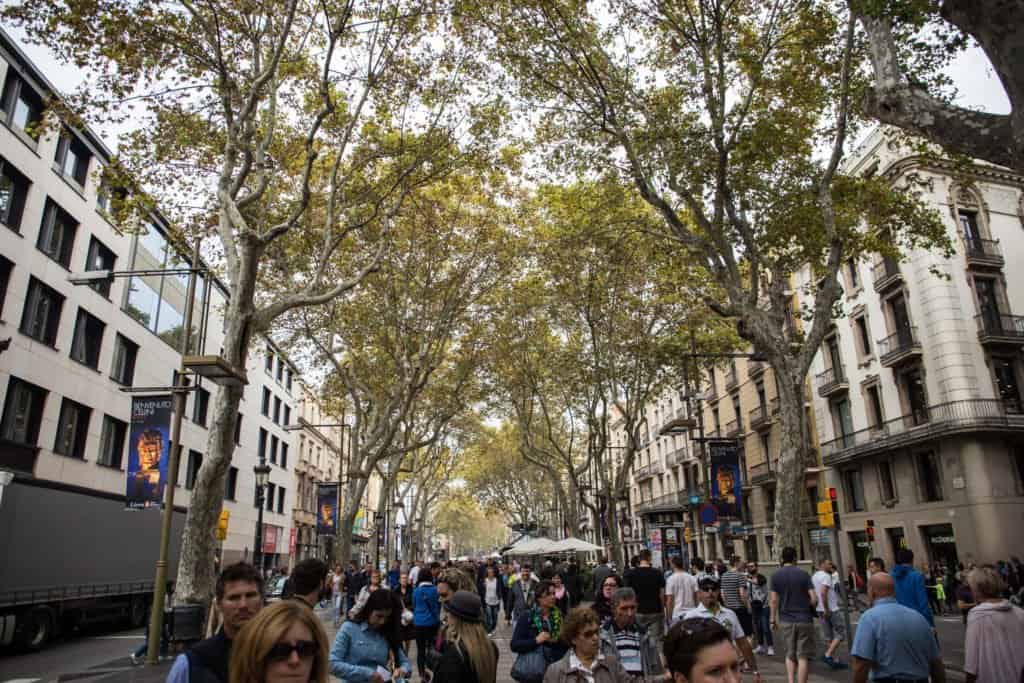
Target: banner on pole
(148, 450)
(327, 509)
(726, 481)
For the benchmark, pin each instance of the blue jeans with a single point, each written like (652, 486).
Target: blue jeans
(762, 627)
(490, 617)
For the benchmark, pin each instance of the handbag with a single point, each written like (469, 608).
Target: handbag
(529, 667)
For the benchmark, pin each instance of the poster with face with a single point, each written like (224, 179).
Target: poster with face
(148, 450)
(726, 483)
(327, 509)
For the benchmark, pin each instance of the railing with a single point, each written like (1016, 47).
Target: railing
(648, 471)
(927, 423)
(733, 428)
(885, 272)
(674, 500)
(677, 457)
(1000, 325)
(755, 368)
(830, 380)
(758, 417)
(895, 345)
(984, 250)
(712, 393)
(762, 471)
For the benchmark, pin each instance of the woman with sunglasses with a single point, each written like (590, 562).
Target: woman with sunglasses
(583, 663)
(284, 643)
(368, 647)
(603, 601)
(700, 650)
(540, 626)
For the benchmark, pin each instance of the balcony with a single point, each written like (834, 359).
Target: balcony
(944, 419)
(670, 502)
(999, 328)
(755, 368)
(983, 253)
(761, 473)
(647, 471)
(732, 380)
(760, 418)
(733, 429)
(711, 394)
(886, 274)
(678, 423)
(899, 347)
(677, 457)
(832, 381)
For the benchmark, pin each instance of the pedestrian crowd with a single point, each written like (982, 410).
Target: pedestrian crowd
(702, 622)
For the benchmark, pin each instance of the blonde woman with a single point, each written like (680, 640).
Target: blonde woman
(284, 643)
(469, 655)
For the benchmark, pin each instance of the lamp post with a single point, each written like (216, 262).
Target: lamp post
(262, 472)
(398, 505)
(377, 519)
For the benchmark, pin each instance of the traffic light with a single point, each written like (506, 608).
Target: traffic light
(222, 525)
(834, 499)
(869, 527)
(687, 534)
(826, 517)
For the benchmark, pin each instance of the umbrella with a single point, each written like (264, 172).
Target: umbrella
(575, 545)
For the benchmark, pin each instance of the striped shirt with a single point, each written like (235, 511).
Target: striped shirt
(627, 644)
(730, 584)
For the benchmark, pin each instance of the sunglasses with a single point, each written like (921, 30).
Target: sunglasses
(283, 651)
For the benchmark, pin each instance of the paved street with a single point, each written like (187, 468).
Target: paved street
(104, 656)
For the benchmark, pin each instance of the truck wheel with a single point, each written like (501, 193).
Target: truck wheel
(36, 629)
(137, 611)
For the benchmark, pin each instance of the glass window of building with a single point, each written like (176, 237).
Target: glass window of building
(72, 158)
(22, 105)
(88, 339)
(100, 258)
(112, 442)
(57, 234)
(231, 483)
(930, 476)
(23, 412)
(72, 429)
(41, 316)
(125, 352)
(14, 187)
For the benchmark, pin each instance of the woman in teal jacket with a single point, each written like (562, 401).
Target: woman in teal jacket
(371, 641)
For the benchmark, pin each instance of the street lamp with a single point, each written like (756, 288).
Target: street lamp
(262, 472)
(377, 519)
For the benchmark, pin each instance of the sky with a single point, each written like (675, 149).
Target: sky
(976, 82)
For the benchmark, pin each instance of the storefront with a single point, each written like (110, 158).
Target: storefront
(897, 540)
(862, 551)
(940, 542)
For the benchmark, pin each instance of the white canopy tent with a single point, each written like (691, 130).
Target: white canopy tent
(575, 545)
(532, 546)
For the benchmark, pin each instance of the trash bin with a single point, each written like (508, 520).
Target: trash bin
(187, 623)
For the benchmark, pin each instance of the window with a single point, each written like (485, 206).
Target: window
(72, 158)
(969, 229)
(231, 483)
(280, 369)
(200, 406)
(112, 442)
(854, 489)
(277, 410)
(280, 500)
(288, 379)
(100, 258)
(265, 405)
(123, 369)
(842, 422)
(863, 336)
(85, 346)
(989, 297)
(57, 234)
(930, 476)
(238, 430)
(852, 276)
(873, 401)
(886, 481)
(5, 276)
(13, 192)
(22, 105)
(284, 455)
(1005, 371)
(72, 429)
(268, 360)
(23, 412)
(287, 415)
(273, 449)
(912, 387)
(766, 451)
(834, 358)
(41, 316)
(195, 461)
(261, 449)
(270, 497)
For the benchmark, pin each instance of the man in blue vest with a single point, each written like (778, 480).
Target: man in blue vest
(239, 594)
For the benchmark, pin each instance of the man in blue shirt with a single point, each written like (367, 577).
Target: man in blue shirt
(910, 590)
(894, 643)
(426, 615)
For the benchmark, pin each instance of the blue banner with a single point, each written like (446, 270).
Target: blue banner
(148, 449)
(327, 509)
(726, 481)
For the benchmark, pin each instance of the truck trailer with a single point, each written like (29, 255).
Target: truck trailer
(71, 556)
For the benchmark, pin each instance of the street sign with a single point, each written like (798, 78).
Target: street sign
(821, 537)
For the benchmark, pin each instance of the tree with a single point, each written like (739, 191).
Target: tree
(911, 39)
(405, 349)
(469, 528)
(715, 111)
(282, 128)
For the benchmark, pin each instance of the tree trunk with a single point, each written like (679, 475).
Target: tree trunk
(347, 519)
(196, 576)
(615, 535)
(789, 485)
